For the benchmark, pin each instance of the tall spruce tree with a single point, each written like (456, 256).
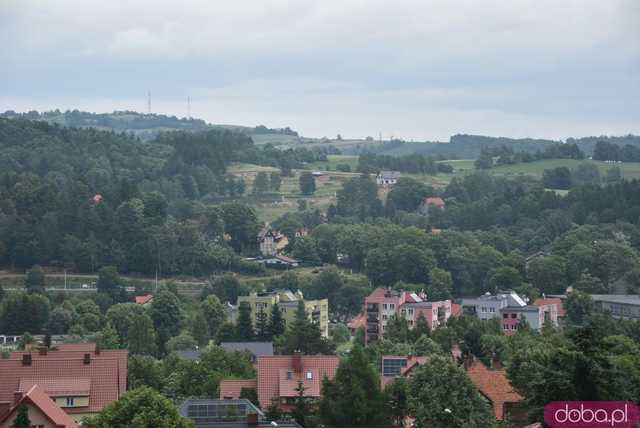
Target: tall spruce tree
(22, 417)
(353, 398)
(263, 332)
(244, 327)
(276, 323)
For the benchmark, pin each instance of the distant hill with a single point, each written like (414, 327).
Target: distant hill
(144, 126)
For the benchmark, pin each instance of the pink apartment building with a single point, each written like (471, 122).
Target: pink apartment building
(384, 303)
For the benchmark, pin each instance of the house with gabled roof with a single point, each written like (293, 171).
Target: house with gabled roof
(80, 378)
(41, 410)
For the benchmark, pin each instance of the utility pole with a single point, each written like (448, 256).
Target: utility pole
(149, 102)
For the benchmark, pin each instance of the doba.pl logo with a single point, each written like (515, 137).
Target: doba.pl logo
(592, 414)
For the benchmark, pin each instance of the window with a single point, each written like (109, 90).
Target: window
(384, 317)
(505, 315)
(289, 375)
(492, 309)
(410, 311)
(384, 306)
(514, 316)
(69, 401)
(309, 375)
(411, 322)
(392, 306)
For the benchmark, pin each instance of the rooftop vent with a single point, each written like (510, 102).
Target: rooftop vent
(26, 359)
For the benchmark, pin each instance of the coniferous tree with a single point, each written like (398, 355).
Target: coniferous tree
(263, 332)
(276, 323)
(244, 327)
(22, 417)
(34, 282)
(353, 398)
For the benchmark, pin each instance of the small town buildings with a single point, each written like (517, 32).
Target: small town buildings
(394, 366)
(144, 300)
(43, 412)
(278, 379)
(384, 303)
(287, 301)
(511, 309)
(493, 384)
(431, 202)
(241, 413)
(80, 378)
(267, 239)
(387, 178)
(321, 178)
(620, 306)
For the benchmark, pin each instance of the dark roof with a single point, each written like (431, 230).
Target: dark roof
(189, 354)
(256, 348)
(209, 413)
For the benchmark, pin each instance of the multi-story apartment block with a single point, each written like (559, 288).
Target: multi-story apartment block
(287, 301)
(620, 306)
(384, 303)
(511, 309)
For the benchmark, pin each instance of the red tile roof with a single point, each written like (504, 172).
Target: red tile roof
(552, 301)
(494, 385)
(38, 398)
(142, 300)
(271, 369)
(358, 321)
(58, 387)
(233, 387)
(439, 202)
(106, 374)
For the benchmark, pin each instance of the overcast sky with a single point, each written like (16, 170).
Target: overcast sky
(420, 70)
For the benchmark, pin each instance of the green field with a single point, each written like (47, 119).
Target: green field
(333, 161)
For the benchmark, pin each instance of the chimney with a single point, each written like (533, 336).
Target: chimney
(495, 363)
(87, 358)
(26, 359)
(42, 351)
(296, 361)
(97, 349)
(17, 396)
(252, 419)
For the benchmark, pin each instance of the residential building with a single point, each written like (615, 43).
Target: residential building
(620, 306)
(387, 178)
(383, 303)
(511, 309)
(321, 178)
(393, 366)
(267, 239)
(493, 384)
(430, 202)
(80, 378)
(144, 300)
(278, 379)
(42, 411)
(241, 413)
(287, 301)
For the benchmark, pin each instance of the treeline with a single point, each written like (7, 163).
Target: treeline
(606, 151)
(413, 164)
(507, 156)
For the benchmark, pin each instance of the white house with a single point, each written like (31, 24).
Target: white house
(387, 178)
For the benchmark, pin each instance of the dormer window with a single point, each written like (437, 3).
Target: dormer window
(309, 376)
(70, 402)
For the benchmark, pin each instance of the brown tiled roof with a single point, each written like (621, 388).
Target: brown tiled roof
(233, 387)
(358, 321)
(141, 300)
(59, 387)
(270, 369)
(494, 385)
(38, 398)
(439, 202)
(106, 374)
(551, 301)
(290, 382)
(78, 350)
